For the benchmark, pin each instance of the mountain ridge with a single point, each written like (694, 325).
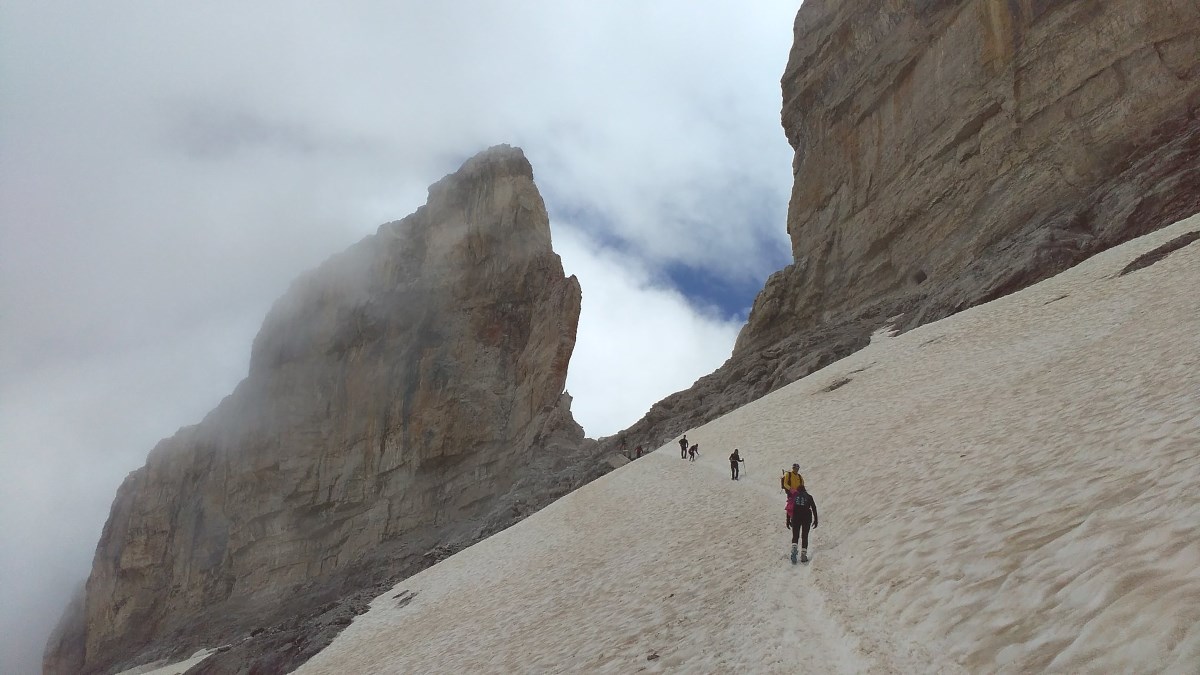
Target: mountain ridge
(403, 398)
(946, 155)
(1009, 489)
(949, 154)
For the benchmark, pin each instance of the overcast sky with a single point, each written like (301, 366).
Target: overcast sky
(166, 168)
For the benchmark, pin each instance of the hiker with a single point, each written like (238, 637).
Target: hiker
(733, 464)
(683, 447)
(638, 451)
(693, 450)
(789, 482)
(804, 514)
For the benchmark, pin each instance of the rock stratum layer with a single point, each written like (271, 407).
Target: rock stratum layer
(951, 152)
(399, 398)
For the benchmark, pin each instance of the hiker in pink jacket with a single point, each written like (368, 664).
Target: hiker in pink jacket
(790, 506)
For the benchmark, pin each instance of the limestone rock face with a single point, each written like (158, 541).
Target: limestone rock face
(950, 152)
(395, 395)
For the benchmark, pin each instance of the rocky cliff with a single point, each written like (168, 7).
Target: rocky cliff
(403, 399)
(946, 153)
(950, 152)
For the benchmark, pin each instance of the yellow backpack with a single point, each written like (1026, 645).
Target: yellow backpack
(791, 481)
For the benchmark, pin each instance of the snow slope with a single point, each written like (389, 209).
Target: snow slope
(178, 668)
(1012, 489)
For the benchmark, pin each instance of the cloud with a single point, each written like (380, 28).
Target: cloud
(167, 168)
(71, 430)
(638, 340)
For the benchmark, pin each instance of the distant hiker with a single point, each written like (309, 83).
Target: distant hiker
(804, 514)
(790, 482)
(693, 450)
(733, 464)
(638, 451)
(683, 447)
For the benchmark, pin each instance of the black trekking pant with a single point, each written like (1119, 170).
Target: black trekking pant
(800, 531)
(733, 470)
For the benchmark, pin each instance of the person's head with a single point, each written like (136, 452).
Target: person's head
(796, 468)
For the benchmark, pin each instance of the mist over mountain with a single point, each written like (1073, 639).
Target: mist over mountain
(166, 171)
(407, 397)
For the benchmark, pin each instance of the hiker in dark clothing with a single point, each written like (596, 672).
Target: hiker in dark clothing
(733, 464)
(638, 452)
(804, 514)
(693, 450)
(683, 447)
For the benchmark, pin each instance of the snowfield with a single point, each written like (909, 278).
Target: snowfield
(178, 668)
(1013, 489)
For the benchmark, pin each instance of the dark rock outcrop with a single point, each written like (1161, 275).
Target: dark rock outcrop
(404, 399)
(948, 153)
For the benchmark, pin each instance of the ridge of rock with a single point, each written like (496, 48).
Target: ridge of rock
(950, 153)
(404, 398)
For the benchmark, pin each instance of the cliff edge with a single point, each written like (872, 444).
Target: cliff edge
(399, 397)
(949, 153)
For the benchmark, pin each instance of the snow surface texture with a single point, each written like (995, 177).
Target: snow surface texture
(1011, 489)
(178, 668)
